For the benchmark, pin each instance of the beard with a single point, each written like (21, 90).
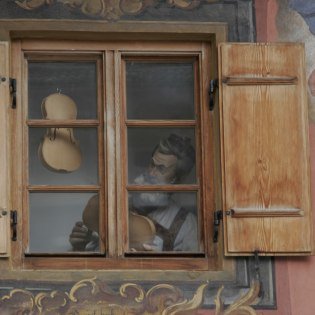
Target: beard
(145, 202)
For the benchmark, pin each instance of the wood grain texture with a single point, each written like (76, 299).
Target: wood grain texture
(265, 149)
(268, 80)
(4, 232)
(40, 123)
(4, 107)
(122, 30)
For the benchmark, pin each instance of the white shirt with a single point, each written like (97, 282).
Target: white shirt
(187, 237)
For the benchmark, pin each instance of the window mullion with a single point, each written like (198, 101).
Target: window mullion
(110, 153)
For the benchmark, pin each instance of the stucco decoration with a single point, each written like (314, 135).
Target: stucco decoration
(92, 296)
(110, 9)
(241, 306)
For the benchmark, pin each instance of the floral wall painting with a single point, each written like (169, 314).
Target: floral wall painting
(110, 9)
(91, 296)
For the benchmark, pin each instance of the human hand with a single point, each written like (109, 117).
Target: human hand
(148, 247)
(79, 236)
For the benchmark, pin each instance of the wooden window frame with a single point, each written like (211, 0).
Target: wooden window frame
(117, 257)
(213, 33)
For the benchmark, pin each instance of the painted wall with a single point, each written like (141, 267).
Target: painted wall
(286, 20)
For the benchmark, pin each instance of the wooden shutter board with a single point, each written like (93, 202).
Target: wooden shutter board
(4, 107)
(265, 148)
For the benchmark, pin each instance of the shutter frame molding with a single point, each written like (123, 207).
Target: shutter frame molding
(4, 167)
(265, 149)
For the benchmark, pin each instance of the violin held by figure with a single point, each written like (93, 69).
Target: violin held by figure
(141, 231)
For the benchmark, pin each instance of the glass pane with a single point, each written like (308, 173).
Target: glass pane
(160, 90)
(163, 221)
(63, 156)
(76, 80)
(161, 156)
(64, 222)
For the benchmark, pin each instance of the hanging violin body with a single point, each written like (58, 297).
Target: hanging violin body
(59, 151)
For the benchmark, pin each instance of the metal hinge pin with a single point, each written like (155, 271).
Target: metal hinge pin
(217, 217)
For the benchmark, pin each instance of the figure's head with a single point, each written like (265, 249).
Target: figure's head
(172, 159)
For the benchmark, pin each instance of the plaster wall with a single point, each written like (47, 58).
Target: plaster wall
(295, 277)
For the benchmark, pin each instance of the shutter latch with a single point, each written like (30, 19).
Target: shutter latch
(217, 217)
(13, 214)
(212, 89)
(257, 272)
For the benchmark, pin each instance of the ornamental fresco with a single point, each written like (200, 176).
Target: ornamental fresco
(92, 296)
(110, 9)
(238, 14)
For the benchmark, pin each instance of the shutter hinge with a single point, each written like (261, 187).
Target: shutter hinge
(13, 216)
(12, 86)
(212, 90)
(217, 217)
(12, 89)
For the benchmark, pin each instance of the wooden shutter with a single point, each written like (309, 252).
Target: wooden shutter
(4, 107)
(265, 149)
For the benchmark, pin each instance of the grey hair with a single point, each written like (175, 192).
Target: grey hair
(182, 148)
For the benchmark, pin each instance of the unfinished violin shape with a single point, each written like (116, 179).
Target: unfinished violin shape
(59, 151)
(141, 230)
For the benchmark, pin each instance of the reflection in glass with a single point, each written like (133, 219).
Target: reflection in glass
(63, 156)
(77, 80)
(53, 218)
(161, 156)
(160, 90)
(163, 221)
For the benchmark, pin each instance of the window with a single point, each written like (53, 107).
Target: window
(114, 162)
(123, 115)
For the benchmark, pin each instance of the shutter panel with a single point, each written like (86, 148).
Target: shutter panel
(4, 102)
(265, 149)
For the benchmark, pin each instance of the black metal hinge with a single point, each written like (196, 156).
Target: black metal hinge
(13, 216)
(212, 90)
(217, 218)
(12, 88)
